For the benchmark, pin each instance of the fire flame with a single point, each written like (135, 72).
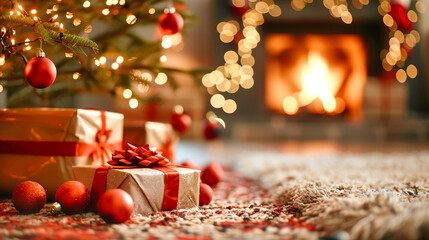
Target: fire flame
(318, 83)
(323, 74)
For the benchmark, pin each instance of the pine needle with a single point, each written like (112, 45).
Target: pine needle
(16, 20)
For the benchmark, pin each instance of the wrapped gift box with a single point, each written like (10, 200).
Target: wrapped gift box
(160, 135)
(42, 144)
(149, 187)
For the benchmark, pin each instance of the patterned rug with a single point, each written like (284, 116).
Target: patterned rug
(242, 209)
(369, 195)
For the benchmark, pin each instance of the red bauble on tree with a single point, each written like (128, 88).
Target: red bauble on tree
(73, 197)
(212, 130)
(40, 72)
(170, 23)
(399, 13)
(115, 206)
(29, 197)
(181, 122)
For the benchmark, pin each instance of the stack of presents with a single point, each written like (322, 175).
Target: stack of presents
(52, 146)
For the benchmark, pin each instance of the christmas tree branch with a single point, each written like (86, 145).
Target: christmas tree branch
(68, 39)
(16, 20)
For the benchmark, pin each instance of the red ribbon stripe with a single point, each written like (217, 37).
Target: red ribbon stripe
(171, 189)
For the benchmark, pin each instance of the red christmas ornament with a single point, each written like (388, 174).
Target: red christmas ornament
(29, 197)
(190, 164)
(206, 194)
(181, 122)
(115, 206)
(170, 23)
(212, 130)
(240, 10)
(212, 174)
(40, 72)
(73, 197)
(399, 14)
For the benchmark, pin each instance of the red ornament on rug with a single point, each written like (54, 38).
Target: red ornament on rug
(212, 174)
(170, 23)
(399, 14)
(206, 194)
(73, 197)
(212, 130)
(40, 72)
(115, 206)
(190, 164)
(29, 197)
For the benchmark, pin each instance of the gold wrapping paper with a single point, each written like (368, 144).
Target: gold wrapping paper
(146, 186)
(49, 124)
(162, 136)
(156, 134)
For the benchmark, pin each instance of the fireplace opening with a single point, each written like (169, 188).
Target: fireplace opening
(315, 74)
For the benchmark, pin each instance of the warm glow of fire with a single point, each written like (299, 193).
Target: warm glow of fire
(323, 74)
(316, 83)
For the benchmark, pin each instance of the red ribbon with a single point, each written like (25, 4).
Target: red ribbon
(167, 147)
(171, 189)
(171, 185)
(98, 149)
(143, 156)
(102, 136)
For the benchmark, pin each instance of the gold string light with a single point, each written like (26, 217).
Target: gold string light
(111, 7)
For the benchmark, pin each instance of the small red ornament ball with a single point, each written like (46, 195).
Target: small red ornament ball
(212, 174)
(190, 164)
(170, 23)
(40, 72)
(206, 194)
(29, 197)
(181, 122)
(399, 14)
(212, 130)
(115, 206)
(73, 197)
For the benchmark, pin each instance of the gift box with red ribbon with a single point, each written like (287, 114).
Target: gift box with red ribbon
(157, 134)
(42, 144)
(153, 182)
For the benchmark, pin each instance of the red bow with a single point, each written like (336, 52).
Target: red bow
(102, 152)
(143, 156)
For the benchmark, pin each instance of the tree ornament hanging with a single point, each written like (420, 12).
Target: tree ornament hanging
(170, 22)
(179, 120)
(398, 11)
(40, 72)
(212, 130)
(405, 3)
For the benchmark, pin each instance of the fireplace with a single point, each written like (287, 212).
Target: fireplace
(315, 74)
(316, 77)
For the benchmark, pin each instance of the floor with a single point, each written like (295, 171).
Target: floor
(226, 152)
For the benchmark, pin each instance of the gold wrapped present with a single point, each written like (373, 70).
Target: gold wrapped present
(147, 186)
(42, 144)
(151, 180)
